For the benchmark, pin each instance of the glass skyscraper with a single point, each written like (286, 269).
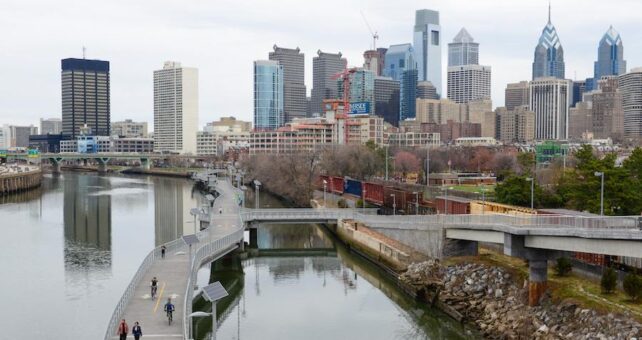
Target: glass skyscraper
(396, 60)
(268, 95)
(610, 57)
(427, 44)
(463, 50)
(361, 88)
(408, 94)
(549, 54)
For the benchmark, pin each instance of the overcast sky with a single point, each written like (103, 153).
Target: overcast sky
(222, 38)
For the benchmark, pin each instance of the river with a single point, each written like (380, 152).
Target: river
(302, 283)
(70, 248)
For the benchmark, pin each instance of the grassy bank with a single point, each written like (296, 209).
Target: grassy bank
(580, 290)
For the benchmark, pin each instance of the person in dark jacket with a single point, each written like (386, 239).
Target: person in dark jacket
(137, 331)
(123, 329)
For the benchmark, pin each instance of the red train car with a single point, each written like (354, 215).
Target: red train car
(399, 199)
(336, 185)
(373, 193)
(452, 205)
(319, 182)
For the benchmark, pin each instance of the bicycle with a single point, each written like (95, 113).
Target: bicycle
(169, 317)
(154, 289)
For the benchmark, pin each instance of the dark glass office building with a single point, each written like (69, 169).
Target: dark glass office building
(85, 96)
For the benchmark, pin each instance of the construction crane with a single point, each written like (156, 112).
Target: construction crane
(375, 36)
(345, 77)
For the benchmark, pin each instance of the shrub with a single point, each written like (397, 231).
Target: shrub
(359, 203)
(563, 266)
(609, 281)
(342, 203)
(633, 286)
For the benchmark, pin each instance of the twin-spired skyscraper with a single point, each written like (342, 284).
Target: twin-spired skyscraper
(549, 55)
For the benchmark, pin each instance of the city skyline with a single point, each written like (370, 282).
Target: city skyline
(135, 49)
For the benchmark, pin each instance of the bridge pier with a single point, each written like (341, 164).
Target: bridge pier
(454, 247)
(254, 237)
(55, 165)
(102, 164)
(145, 164)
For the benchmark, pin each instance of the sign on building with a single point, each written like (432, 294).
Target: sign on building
(359, 108)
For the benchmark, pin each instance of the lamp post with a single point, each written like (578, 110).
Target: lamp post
(363, 200)
(427, 166)
(212, 293)
(416, 202)
(325, 187)
(386, 162)
(532, 180)
(394, 204)
(257, 185)
(194, 212)
(601, 175)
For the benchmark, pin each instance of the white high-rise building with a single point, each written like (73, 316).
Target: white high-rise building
(468, 83)
(550, 99)
(427, 47)
(631, 89)
(175, 108)
(50, 126)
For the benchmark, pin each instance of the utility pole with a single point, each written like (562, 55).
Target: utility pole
(427, 166)
(386, 162)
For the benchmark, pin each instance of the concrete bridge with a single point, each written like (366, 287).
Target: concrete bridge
(101, 158)
(537, 239)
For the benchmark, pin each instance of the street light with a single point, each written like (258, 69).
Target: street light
(212, 293)
(427, 166)
(363, 200)
(416, 202)
(530, 179)
(325, 188)
(601, 175)
(257, 185)
(386, 162)
(194, 212)
(483, 192)
(394, 204)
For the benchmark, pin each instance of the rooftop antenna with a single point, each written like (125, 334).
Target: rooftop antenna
(84, 52)
(375, 36)
(549, 11)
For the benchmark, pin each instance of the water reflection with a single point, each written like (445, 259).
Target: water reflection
(173, 201)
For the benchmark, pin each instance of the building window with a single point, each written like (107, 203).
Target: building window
(434, 35)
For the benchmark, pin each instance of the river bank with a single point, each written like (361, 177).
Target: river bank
(19, 178)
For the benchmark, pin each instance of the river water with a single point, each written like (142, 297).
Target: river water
(70, 248)
(302, 283)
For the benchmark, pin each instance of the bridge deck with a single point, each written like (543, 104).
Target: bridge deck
(173, 273)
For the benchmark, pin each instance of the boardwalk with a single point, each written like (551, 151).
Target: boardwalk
(173, 273)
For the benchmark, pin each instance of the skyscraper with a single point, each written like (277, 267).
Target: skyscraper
(631, 88)
(387, 99)
(361, 89)
(324, 67)
(268, 95)
(549, 54)
(85, 96)
(373, 60)
(610, 57)
(550, 99)
(463, 50)
(175, 108)
(425, 90)
(294, 91)
(408, 107)
(517, 94)
(427, 47)
(396, 60)
(468, 83)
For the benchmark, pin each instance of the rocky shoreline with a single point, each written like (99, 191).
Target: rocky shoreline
(491, 299)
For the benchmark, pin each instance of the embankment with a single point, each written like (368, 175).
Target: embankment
(14, 181)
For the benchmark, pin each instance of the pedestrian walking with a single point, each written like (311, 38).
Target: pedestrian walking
(220, 210)
(163, 251)
(123, 329)
(137, 332)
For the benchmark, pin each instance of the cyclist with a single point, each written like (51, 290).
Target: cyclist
(154, 287)
(169, 308)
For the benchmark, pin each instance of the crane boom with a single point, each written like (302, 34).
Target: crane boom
(374, 34)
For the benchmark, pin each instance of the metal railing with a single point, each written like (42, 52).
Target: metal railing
(135, 281)
(302, 214)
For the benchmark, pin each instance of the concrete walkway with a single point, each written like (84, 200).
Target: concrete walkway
(172, 273)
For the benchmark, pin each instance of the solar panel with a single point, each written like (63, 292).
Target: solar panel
(190, 239)
(214, 292)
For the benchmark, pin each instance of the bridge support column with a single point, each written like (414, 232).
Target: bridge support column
(254, 237)
(145, 164)
(537, 280)
(102, 165)
(55, 165)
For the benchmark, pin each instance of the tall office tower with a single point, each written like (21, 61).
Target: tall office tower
(607, 114)
(175, 108)
(396, 60)
(468, 83)
(386, 91)
(517, 125)
(50, 126)
(425, 90)
(579, 88)
(373, 60)
(427, 44)
(268, 95)
(579, 119)
(324, 67)
(463, 50)
(610, 57)
(18, 136)
(549, 54)
(408, 94)
(550, 99)
(516, 94)
(361, 91)
(631, 88)
(85, 96)
(294, 91)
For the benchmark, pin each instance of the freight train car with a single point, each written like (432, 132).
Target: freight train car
(352, 187)
(373, 193)
(336, 185)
